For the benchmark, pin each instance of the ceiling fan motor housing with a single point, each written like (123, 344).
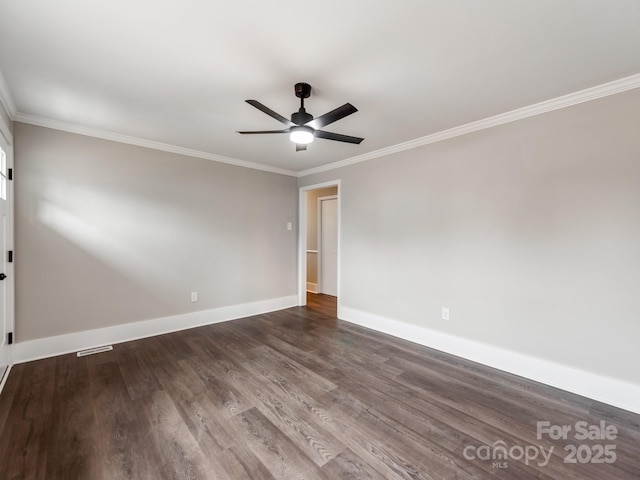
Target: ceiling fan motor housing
(301, 117)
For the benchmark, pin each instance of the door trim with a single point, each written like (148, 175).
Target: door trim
(302, 238)
(7, 137)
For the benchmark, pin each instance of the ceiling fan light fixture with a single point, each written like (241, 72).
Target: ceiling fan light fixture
(301, 135)
(303, 128)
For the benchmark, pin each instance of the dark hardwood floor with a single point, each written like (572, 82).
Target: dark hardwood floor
(294, 394)
(324, 304)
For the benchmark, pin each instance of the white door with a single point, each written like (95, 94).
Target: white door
(328, 245)
(5, 225)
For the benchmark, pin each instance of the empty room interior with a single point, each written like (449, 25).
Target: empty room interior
(297, 241)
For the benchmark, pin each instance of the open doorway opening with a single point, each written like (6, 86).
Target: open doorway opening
(319, 247)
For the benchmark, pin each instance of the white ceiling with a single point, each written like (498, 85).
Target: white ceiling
(178, 71)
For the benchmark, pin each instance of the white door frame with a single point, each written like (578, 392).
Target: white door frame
(302, 238)
(6, 135)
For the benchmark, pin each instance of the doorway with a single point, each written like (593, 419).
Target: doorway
(319, 242)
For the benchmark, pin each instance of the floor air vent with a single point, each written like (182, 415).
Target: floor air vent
(91, 351)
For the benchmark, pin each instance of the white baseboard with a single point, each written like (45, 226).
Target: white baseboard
(614, 392)
(72, 342)
(312, 287)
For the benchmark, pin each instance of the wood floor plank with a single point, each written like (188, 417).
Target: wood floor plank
(71, 452)
(323, 304)
(275, 450)
(376, 438)
(420, 453)
(240, 463)
(349, 465)
(27, 430)
(206, 420)
(516, 389)
(274, 359)
(120, 425)
(402, 349)
(180, 452)
(476, 431)
(221, 377)
(297, 395)
(8, 394)
(318, 443)
(24, 456)
(34, 397)
(137, 372)
(308, 358)
(250, 380)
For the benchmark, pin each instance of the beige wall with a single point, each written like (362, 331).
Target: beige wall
(312, 229)
(529, 232)
(108, 233)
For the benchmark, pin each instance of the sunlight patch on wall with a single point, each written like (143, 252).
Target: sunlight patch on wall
(115, 230)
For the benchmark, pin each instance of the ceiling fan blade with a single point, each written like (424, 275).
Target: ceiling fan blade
(332, 116)
(338, 137)
(300, 147)
(270, 112)
(286, 130)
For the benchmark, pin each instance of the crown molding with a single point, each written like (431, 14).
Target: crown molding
(582, 96)
(6, 99)
(141, 142)
(586, 95)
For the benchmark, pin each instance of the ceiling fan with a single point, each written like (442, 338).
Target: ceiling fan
(303, 128)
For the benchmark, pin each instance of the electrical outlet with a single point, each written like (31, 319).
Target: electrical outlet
(445, 313)
(194, 297)
(289, 226)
